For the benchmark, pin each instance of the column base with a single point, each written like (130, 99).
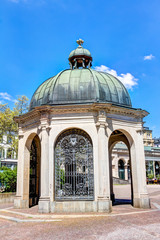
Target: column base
(20, 203)
(104, 205)
(142, 202)
(44, 205)
(73, 206)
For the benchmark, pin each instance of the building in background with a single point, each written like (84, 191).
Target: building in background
(147, 137)
(121, 162)
(156, 142)
(8, 157)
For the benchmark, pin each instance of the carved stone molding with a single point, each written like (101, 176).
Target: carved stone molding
(140, 132)
(103, 198)
(101, 119)
(20, 133)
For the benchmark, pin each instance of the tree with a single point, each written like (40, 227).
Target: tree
(8, 126)
(21, 106)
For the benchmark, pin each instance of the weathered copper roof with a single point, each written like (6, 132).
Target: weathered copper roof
(79, 86)
(80, 51)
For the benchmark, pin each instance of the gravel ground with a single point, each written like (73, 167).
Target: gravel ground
(130, 224)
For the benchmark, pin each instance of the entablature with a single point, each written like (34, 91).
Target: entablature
(112, 112)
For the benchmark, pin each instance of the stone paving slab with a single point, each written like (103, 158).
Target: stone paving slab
(144, 226)
(7, 212)
(124, 223)
(14, 219)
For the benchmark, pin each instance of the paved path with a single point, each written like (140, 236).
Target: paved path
(125, 222)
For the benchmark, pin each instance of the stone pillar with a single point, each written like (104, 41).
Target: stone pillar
(5, 153)
(19, 201)
(154, 169)
(44, 201)
(104, 203)
(140, 194)
(126, 172)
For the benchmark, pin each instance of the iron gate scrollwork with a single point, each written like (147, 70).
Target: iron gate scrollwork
(74, 177)
(33, 186)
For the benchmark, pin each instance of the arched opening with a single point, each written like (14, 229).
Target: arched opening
(34, 173)
(121, 172)
(74, 176)
(120, 169)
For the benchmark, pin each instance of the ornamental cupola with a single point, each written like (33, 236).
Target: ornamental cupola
(80, 57)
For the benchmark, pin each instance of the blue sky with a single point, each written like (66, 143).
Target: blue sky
(36, 37)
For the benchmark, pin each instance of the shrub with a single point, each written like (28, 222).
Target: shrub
(150, 176)
(8, 179)
(158, 176)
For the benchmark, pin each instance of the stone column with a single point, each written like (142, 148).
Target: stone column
(44, 201)
(140, 194)
(104, 203)
(19, 201)
(126, 172)
(154, 169)
(5, 153)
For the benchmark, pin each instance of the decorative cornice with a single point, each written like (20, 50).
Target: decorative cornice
(45, 111)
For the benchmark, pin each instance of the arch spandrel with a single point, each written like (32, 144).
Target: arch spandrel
(127, 133)
(91, 130)
(69, 128)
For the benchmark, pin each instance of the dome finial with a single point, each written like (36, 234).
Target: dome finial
(80, 42)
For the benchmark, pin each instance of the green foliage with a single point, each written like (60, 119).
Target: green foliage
(151, 176)
(21, 106)
(62, 176)
(8, 178)
(7, 124)
(158, 176)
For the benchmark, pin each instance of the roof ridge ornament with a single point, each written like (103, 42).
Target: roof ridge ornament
(80, 42)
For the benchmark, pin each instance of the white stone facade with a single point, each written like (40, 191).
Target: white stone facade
(8, 156)
(106, 125)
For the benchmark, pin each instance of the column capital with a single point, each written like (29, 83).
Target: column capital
(102, 119)
(45, 127)
(140, 131)
(44, 121)
(20, 132)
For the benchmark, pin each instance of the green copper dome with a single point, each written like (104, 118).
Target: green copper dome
(80, 51)
(80, 85)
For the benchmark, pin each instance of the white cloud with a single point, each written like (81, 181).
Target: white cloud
(149, 57)
(126, 78)
(6, 96)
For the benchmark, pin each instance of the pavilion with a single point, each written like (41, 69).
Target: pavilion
(66, 141)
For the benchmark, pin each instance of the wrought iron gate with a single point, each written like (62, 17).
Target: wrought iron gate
(33, 186)
(74, 178)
